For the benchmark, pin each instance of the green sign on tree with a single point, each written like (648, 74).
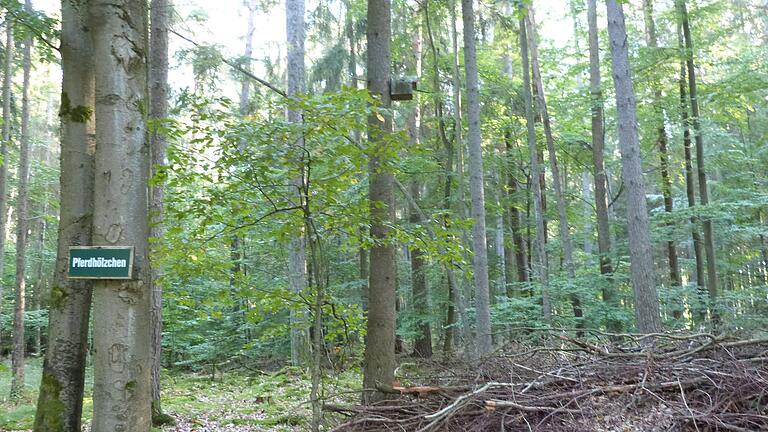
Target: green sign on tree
(100, 262)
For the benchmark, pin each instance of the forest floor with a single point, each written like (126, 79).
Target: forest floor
(681, 382)
(232, 402)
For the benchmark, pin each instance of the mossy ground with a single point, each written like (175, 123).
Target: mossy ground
(236, 401)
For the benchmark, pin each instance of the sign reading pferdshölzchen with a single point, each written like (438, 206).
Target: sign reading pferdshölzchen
(100, 262)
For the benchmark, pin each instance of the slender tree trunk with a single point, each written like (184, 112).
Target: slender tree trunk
(661, 141)
(297, 261)
(480, 258)
(565, 234)
(515, 222)
(690, 181)
(641, 259)
(598, 169)
(122, 392)
(19, 346)
(60, 402)
(709, 238)
(160, 12)
(5, 145)
(540, 267)
(380, 348)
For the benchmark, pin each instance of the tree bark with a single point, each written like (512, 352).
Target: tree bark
(476, 188)
(564, 228)
(122, 393)
(661, 142)
(690, 181)
(160, 12)
(60, 402)
(540, 267)
(598, 146)
(709, 237)
(380, 348)
(19, 347)
(6, 143)
(641, 259)
(297, 261)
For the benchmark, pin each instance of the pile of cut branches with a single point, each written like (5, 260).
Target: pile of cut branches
(660, 382)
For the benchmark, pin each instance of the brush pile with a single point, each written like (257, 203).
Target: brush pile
(660, 382)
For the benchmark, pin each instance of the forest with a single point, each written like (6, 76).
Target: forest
(377, 215)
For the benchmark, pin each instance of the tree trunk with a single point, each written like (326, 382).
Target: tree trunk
(690, 181)
(599, 174)
(709, 240)
(122, 393)
(565, 234)
(60, 402)
(661, 141)
(380, 349)
(480, 257)
(160, 12)
(297, 261)
(5, 145)
(540, 267)
(17, 357)
(641, 259)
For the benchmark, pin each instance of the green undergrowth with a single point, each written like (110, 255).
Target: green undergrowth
(276, 401)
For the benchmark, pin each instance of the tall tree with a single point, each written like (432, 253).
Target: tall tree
(60, 402)
(22, 222)
(690, 181)
(380, 346)
(160, 12)
(641, 258)
(661, 142)
(598, 166)
(297, 261)
(540, 267)
(476, 179)
(541, 102)
(121, 388)
(5, 143)
(709, 236)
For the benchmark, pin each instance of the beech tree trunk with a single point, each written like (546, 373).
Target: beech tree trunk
(60, 402)
(565, 234)
(641, 259)
(6, 143)
(661, 142)
(379, 365)
(160, 12)
(19, 348)
(540, 266)
(476, 187)
(709, 237)
(122, 393)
